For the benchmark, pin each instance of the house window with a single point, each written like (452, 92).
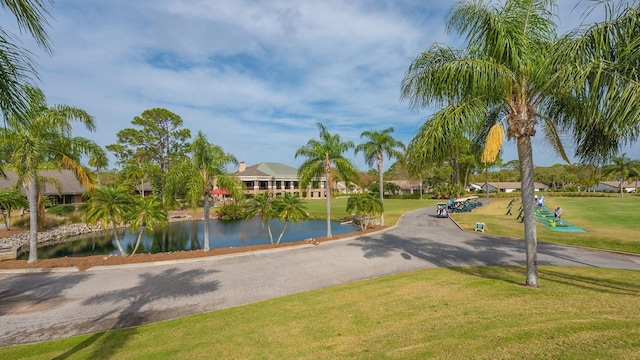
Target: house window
(264, 185)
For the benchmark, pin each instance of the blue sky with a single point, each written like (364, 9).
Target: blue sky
(254, 76)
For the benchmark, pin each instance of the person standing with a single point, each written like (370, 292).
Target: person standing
(557, 215)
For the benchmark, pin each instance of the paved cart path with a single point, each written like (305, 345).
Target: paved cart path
(41, 306)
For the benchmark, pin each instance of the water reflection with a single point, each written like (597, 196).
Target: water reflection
(188, 235)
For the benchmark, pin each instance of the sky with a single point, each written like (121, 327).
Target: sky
(254, 76)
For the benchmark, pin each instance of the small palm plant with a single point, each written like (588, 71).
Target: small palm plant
(290, 208)
(365, 206)
(148, 213)
(264, 204)
(110, 206)
(11, 199)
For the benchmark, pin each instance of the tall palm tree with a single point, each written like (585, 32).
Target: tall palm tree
(206, 165)
(46, 142)
(265, 205)
(16, 65)
(110, 206)
(147, 213)
(379, 145)
(509, 75)
(290, 208)
(321, 154)
(623, 167)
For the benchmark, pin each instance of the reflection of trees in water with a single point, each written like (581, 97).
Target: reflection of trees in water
(170, 240)
(101, 245)
(188, 235)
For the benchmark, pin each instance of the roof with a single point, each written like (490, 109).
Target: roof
(269, 169)
(68, 182)
(512, 185)
(405, 184)
(616, 184)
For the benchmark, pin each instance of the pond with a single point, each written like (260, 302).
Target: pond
(188, 235)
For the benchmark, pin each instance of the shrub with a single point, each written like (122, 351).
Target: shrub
(61, 210)
(231, 212)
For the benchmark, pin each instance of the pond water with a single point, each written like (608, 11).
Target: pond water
(188, 235)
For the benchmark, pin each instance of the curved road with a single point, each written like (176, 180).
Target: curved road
(42, 306)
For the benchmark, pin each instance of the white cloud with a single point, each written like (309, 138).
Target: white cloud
(254, 76)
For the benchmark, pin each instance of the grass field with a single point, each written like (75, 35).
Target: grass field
(610, 223)
(445, 313)
(393, 208)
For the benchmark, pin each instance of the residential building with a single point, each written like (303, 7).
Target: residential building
(408, 187)
(506, 187)
(614, 186)
(63, 187)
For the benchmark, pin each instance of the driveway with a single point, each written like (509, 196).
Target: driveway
(42, 306)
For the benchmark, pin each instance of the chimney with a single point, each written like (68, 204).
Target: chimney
(242, 167)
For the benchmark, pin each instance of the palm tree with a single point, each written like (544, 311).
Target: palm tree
(265, 204)
(380, 143)
(321, 154)
(16, 66)
(46, 142)
(364, 205)
(11, 199)
(113, 206)
(207, 164)
(624, 168)
(147, 213)
(509, 76)
(290, 208)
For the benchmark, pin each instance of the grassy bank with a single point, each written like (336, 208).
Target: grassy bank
(393, 208)
(610, 223)
(455, 313)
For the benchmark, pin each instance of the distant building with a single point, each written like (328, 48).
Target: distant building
(64, 188)
(506, 187)
(278, 179)
(614, 186)
(408, 187)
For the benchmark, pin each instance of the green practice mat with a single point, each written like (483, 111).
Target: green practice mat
(545, 217)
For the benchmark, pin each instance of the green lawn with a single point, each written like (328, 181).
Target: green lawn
(393, 208)
(610, 222)
(446, 313)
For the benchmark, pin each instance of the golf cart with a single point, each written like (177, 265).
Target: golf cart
(442, 211)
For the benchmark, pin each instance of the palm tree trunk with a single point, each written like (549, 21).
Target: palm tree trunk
(207, 210)
(486, 181)
(525, 155)
(115, 236)
(328, 196)
(380, 185)
(269, 231)
(138, 240)
(40, 210)
(621, 191)
(32, 192)
(282, 232)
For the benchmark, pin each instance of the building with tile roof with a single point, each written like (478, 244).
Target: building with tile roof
(277, 178)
